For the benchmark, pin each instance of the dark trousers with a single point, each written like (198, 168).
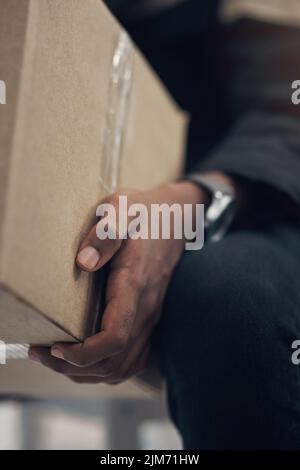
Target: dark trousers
(233, 309)
(231, 314)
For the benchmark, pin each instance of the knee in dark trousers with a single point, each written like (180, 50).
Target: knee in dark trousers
(231, 314)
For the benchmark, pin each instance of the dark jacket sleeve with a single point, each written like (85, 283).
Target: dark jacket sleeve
(261, 61)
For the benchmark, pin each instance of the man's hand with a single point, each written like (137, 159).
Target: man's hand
(139, 274)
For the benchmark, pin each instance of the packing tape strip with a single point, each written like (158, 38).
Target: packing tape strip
(117, 112)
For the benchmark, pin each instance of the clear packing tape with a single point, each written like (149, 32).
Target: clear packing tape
(118, 103)
(115, 126)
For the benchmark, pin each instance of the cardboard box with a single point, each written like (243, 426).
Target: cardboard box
(83, 114)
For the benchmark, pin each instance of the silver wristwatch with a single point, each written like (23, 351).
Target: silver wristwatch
(222, 208)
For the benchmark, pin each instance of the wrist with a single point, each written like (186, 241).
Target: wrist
(188, 192)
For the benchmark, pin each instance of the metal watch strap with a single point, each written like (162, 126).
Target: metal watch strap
(221, 211)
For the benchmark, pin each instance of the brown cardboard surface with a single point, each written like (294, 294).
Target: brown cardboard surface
(11, 45)
(56, 59)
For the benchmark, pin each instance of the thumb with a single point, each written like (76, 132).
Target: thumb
(97, 249)
(95, 253)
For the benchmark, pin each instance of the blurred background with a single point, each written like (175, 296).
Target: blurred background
(88, 424)
(49, 411)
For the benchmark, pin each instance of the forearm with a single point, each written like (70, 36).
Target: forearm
(261, 152)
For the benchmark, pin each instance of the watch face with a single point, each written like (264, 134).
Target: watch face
(221, 211)
(221, 217)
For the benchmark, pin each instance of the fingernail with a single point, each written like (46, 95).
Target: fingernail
(88, 257)
(57, 353)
